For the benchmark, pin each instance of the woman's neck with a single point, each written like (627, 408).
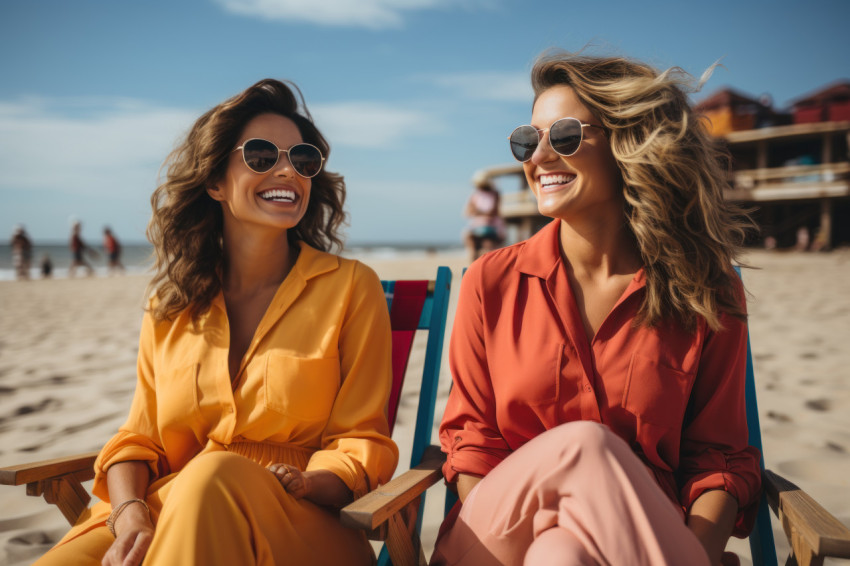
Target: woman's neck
(256, 260)
(599, 250)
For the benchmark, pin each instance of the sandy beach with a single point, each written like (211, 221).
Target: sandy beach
(67, 373)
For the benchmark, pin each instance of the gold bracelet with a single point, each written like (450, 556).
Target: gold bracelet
(110, 522)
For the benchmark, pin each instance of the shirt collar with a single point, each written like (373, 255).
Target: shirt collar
(541, 253)
(312, 262)
(540, 256)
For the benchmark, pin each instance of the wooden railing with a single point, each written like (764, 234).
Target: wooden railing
(823, 173)
(791, 182)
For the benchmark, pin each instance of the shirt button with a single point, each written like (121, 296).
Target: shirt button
(588, 388)
(229, 409)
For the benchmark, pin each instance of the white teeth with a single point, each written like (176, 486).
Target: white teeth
(555, 179)
(278, 195)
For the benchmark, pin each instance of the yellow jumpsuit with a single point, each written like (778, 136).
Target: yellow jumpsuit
(311, 391)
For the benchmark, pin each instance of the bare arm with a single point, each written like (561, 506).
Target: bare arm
(465, 483)
(712, 518)
(134, 528)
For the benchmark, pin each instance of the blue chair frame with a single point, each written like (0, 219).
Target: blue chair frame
(399, 524)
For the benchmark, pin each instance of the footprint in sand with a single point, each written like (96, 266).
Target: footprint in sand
(45, 405)
(819, 404)
(28, 545)
(779, 417)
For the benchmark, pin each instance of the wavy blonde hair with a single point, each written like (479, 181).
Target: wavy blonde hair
(187, 225)
(674, 175)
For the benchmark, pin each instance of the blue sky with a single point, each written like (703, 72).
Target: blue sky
(414, 95)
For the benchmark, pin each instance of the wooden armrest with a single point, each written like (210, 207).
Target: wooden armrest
(809, 527)
(81, 465)
(377, 506)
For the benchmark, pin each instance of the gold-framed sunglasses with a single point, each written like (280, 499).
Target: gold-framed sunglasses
(565, 137)
(262, 155)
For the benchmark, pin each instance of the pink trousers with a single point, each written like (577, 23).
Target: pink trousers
(576, 494)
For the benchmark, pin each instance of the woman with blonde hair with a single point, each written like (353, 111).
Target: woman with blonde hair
(264, 361)
(598, 413)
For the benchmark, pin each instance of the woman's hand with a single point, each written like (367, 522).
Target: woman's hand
(322, 487)
(133, 526)
(134, 531)
(295, 482)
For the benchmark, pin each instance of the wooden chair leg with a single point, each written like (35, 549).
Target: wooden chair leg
(802, 553)
(403, 544)
(66, 492)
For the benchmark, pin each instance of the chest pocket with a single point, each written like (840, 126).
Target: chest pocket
(301, 388)
(656, 393)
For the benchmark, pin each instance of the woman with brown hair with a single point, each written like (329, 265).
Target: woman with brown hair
(264, 361)
(598, 412)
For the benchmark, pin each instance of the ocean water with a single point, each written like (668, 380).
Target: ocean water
(138, 258)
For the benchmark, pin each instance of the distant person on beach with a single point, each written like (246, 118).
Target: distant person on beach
(803, 239)
(598, 413)
(264, 363)
(46, 267)
(21, 252)
(113, 251)
(79, 249)
(485, 230)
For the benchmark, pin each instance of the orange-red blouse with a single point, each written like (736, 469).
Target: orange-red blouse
(522, 364)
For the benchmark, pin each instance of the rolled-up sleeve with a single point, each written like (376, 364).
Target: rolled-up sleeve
(469, 434)
(715, 453)
(356, 445)
(138, 438)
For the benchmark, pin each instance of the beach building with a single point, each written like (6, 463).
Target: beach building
(791, 168)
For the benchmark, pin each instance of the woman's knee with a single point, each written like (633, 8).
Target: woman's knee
(216, 471)
(586, 438)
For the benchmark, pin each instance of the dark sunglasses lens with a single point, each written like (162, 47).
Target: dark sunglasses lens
(305, 159)
(524, 141)
(565, 136)
(260, 155)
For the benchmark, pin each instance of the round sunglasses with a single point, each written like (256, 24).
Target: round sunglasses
(261, 155)
(565, 137)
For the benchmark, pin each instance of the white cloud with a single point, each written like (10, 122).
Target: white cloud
(488, 85)
(112, 146)
(374, 14)
(100, 147)
(370, 124)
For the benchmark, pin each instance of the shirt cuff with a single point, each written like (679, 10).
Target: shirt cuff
(470, 461)
(742, 489)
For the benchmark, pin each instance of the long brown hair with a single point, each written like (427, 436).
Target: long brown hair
(186, 227)
(674, 175)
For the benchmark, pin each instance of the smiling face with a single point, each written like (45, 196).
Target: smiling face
(276, 199)
(583, 186)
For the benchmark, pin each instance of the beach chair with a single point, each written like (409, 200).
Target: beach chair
(413, 306)
(812, 532)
